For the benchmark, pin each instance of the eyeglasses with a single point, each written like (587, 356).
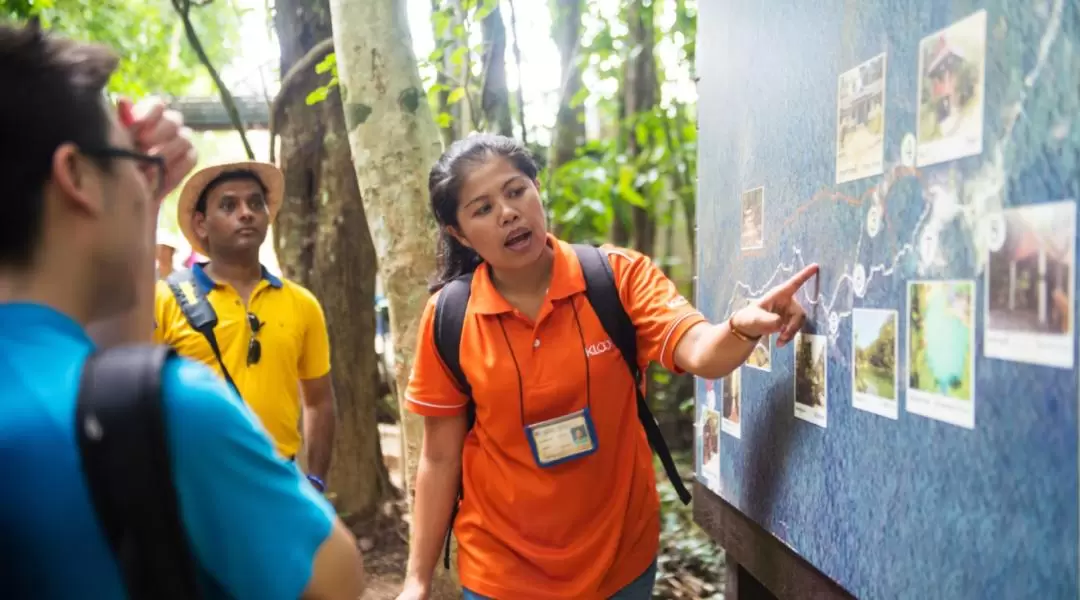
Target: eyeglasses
(152, 166)
(254, 347)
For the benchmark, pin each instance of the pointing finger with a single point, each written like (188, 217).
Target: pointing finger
(789, 287)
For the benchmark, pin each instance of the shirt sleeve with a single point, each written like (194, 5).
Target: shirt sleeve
(315, 360)
(432, 391)
(163, 298)
(661, 314)
(247, 513)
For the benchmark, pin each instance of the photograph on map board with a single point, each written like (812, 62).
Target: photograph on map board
(811, 384)
(874, 358)
(731, 388)
(699, 437)
(941, 351)
(952, 74)
(710, 395)
(761, 357)
(710, 452)
(753, 219)
(860, 121)
(1029, 286)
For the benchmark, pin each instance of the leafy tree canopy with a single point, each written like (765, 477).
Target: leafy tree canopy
(147, 34)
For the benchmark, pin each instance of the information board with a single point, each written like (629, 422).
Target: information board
(918, 439)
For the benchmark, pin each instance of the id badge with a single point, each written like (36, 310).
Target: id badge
(561, 439)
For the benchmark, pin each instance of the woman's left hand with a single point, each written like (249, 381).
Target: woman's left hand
(777, 311)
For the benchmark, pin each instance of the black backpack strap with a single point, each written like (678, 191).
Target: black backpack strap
(603, 295)
(199, 313)
(450, 309)
(121, 432)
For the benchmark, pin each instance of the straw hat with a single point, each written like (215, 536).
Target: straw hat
(269, 174)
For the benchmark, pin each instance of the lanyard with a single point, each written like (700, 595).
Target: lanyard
(517, 367)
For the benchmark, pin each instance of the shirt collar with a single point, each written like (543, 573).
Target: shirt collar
(206, 283)
(17, 316)
(566, 280)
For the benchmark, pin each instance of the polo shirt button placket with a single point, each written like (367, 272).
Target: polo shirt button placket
(536, 343)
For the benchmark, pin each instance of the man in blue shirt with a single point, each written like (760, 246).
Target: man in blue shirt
(80, 190)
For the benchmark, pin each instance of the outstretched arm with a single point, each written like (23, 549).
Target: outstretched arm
(711, 351)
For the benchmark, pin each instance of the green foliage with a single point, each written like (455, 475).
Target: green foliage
(326, 65)
(686, 552)
(148, 36)
(583, 193)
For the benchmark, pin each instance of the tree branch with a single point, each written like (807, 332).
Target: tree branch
(517, 61)
(183, 8)
(291, 80)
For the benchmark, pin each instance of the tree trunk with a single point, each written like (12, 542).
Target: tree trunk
(394, 143)
(323, 242)
(640, 91)
(569, 131)
(495, 96)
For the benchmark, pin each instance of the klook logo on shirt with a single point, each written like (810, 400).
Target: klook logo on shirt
(599, 348)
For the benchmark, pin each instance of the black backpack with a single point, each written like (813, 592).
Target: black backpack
(603, 295)
(121, 433)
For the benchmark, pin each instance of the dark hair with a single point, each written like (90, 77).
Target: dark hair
(444, 185)
(225, 176)
(53, 94)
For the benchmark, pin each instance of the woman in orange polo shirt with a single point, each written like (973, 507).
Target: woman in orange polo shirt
(542, 520)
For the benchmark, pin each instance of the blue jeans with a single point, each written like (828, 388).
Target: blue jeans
(638, 589)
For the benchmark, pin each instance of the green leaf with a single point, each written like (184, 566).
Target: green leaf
(626, 187)
(456, 95)
(317, 95)
(440, 21)
(444, 120)
(458, 57)
(327, 64)
(485, 9)
(579, 97)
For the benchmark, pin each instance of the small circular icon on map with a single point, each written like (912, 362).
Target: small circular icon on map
(834, 323)
(873, 220)
(907, 151)
(995, 232)
(858, 280)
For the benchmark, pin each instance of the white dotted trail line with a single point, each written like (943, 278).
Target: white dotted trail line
(1045, 43)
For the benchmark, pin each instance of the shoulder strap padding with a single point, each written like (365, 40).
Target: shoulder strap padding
(200, 314)
(602, 292)
(193, 303)
(450, 309)
(122, 438)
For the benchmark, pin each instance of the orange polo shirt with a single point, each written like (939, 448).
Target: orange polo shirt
(584, 528)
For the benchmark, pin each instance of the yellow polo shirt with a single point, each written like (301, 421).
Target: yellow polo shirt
(293, 336)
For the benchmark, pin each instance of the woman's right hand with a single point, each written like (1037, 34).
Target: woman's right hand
(414, 590)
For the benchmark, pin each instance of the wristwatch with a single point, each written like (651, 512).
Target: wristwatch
(318, 483)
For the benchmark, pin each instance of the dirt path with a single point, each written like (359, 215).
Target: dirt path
(386, 549)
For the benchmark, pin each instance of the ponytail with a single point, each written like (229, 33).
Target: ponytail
(453, 259)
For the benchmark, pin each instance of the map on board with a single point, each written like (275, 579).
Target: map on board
(918, 438)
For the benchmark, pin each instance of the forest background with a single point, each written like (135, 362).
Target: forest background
(602, 91)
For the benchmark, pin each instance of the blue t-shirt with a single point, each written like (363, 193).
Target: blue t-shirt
(253, 521)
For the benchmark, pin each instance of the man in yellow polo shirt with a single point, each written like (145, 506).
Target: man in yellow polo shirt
(270, 333)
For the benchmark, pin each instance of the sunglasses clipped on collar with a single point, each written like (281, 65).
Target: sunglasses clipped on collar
(254, 347)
